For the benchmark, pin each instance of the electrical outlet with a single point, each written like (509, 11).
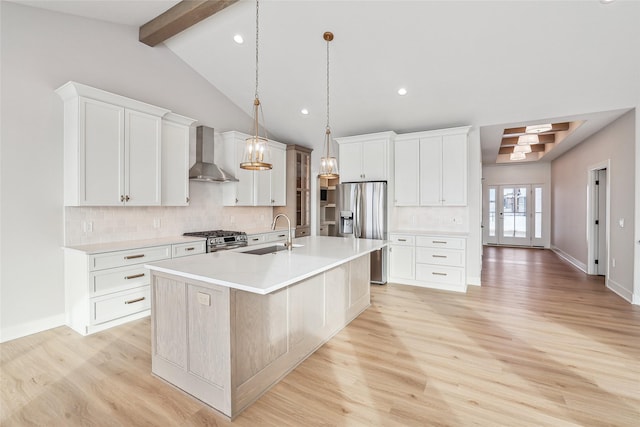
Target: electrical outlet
(87, 226)
(204, 299)
(156, 223)
(613, 262)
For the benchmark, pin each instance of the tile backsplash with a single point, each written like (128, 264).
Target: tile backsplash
(89, 225)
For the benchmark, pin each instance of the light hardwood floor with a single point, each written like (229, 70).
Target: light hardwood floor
(539, 344)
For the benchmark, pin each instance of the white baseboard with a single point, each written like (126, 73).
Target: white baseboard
(474, 281)
(33, 327)
(636, 299)
(620, 290)
(580, 265)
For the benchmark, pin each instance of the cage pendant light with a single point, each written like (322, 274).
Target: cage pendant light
(328, 163)
(256, 150)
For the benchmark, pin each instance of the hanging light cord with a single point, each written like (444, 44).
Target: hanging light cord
(257, 45)
(328, 128)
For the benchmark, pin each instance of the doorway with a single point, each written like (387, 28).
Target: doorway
(598, 220)
(514, 215)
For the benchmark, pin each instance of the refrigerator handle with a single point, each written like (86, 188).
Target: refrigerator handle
(356, 220)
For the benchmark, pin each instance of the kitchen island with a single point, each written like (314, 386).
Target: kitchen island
(226, 326)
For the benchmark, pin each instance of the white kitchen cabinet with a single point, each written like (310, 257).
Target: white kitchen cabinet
(254, 188)
(431, 168)
(112, 148)
(175, 159)
(274, 236)
(107, 288)
(428, 260)
(365, 157)
(401, 257)
(443, 167)
(407, 169)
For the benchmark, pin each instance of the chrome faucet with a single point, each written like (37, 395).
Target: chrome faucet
(288, 244)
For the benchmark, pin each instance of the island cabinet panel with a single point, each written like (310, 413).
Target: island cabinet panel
(306, 314)
(170, 331)
(359, 280)
(336, 297)
(208, 310)
(260, 325)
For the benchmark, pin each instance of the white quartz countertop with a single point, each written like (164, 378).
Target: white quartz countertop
(263, 274)
(98, 248)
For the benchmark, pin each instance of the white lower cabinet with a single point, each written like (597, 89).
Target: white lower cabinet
(106, 289)
(429, 260)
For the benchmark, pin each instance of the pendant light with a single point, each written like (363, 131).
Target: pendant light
(256, 149)
(522, 149)
(517, 156)
(328, 163)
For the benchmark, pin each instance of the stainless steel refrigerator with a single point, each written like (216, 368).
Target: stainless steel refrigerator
(361, 212)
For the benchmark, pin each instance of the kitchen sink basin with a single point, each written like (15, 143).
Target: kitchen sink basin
(269, 249)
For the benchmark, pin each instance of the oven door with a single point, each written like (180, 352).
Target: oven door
(226, 246)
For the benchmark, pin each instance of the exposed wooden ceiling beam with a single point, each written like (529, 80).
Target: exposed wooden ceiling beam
(180, 17)
(535, 148)
(555, 127)
(542, 139)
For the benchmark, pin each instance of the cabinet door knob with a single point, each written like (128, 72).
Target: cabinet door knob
(121, 198)
(126, 198)
(187, 200)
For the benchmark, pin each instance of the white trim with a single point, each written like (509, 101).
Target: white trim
(33, 327)
(620, 290)
(580, 265)
(635, 299)
(474, 281)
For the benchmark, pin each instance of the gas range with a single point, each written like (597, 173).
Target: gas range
(219, 240)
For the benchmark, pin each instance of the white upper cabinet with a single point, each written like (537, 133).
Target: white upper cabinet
(407, 169)
(112, 148)
(175, 159)
(365, 157)
(254, 188)
(431, 168)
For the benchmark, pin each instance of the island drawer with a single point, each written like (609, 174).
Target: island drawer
(256, 239)
(118, 279)
(402, 239)
(187, 249)
(451, 257)
(128, 257)
(278, 237)
(110, 307)
(440, 242)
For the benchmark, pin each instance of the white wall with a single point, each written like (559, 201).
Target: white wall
(42, 50)
(569, 177)
(533, 173)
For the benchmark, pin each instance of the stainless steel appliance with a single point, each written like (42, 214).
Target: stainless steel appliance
(361, 212)
(220, 240)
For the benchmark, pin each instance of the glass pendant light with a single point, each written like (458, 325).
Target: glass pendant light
(517, 156)
(522, 149)
(256, 150)
(328, 163)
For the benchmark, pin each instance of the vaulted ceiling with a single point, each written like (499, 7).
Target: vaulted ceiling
(495, 65)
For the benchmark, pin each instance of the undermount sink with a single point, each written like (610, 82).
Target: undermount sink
(269, 249)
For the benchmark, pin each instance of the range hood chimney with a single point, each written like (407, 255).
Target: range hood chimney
(204, 171)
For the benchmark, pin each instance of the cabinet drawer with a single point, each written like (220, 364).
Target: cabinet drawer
(186, 249)
(440, 274)
(440, 242)
(402, 239)
(119, 305)
(303, 231)
(450, 257)
(118, 279)
(256, 239)
(278, 237)
(128, 257)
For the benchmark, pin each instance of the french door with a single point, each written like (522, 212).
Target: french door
(514, 215)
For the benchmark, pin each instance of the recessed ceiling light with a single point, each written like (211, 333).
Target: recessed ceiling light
(304, 111)
(402, 91)
(539, 128)
(238, 39)
(606, 1)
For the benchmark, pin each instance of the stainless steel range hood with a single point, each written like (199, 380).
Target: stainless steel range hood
(205, 171)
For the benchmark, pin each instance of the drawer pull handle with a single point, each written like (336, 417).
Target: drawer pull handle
(282, 235)
(135, 276)
(435, 273)
(439, 241)
(402, 240)
(255, 239)
(189, 249)
(133, 256)
(439, 256)
(135, 300)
